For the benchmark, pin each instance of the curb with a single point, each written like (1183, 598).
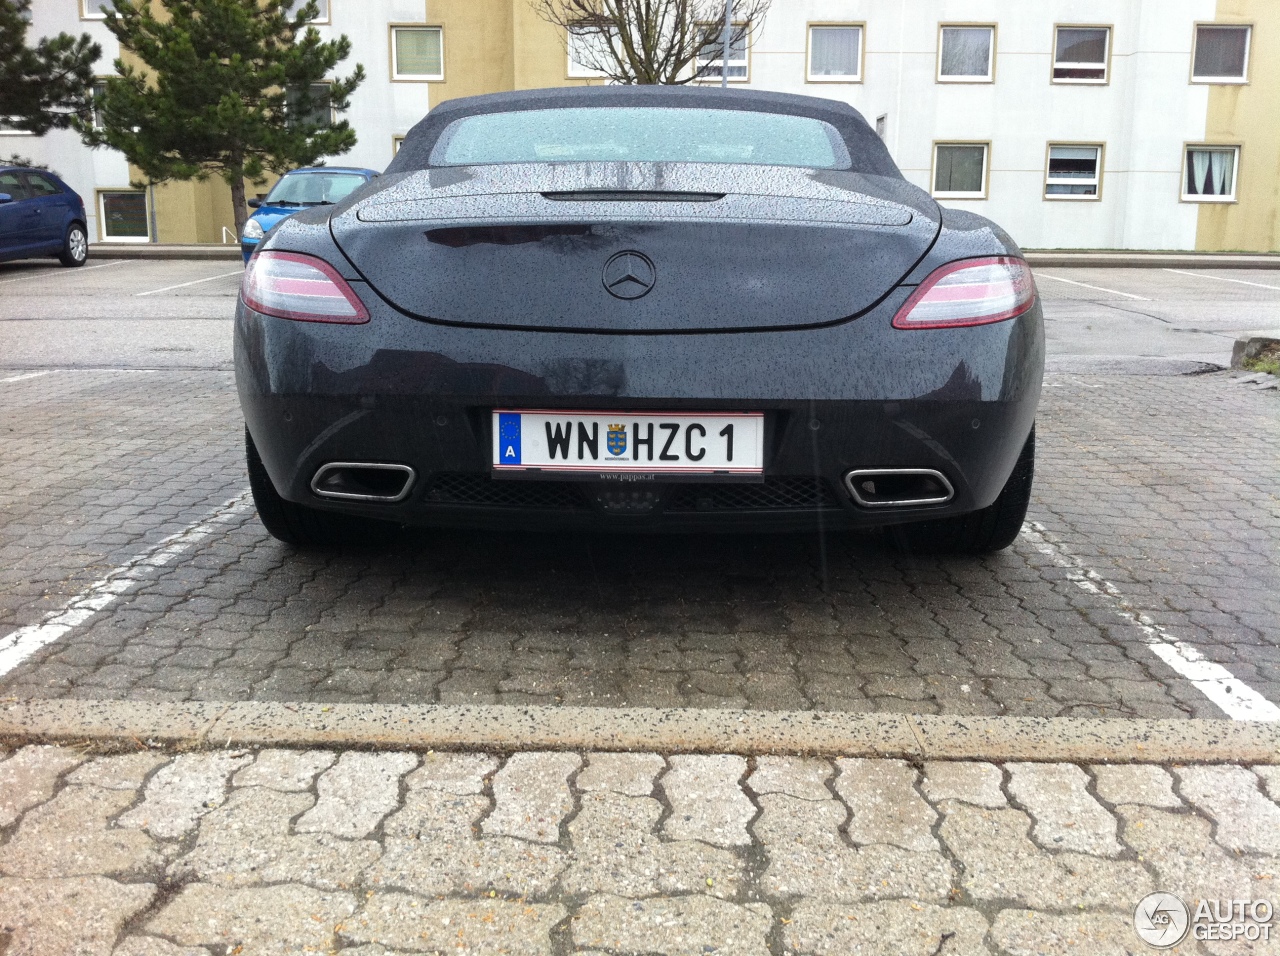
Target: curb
(1150, 260)
(155, 250)
(125, 725)
(1249, 345)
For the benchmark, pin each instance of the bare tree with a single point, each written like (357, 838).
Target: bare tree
(652, 41)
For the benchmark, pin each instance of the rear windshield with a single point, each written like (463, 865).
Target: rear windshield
(312, 188)
(641, 134)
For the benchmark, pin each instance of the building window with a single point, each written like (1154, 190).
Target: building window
(99, 90)
(1210, 174)
(317, 111)
(710, 58)
(95, 9)
(1221, 54)
(8, 127)
(322, 10)
(1081, 54)
(417, 53)
(960, 170)
(122, 215)
(966, 54)
(587, 46)
(1075, 172)
(396, 142)
(835, 53)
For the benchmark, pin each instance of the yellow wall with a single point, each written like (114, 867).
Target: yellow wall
(1248, 116)
(477, 47)
(491, 46)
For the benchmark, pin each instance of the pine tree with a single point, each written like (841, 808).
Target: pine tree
(227, 87)
(42, 87)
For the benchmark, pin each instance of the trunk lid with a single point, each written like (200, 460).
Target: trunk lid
(637, 248)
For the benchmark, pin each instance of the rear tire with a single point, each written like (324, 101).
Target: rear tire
(993, 528)
(75, 246)
(299, 525)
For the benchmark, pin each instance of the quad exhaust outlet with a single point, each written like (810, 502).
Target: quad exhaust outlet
(363, 481)
(898, 487)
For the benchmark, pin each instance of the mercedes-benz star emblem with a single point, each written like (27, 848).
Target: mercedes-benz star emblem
(629, 274)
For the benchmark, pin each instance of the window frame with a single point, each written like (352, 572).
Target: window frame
(93, 113)
(86, 15)
(1106, 63)
(327, 16)
(986, 170)
(1221, 80)
(333, 113)
(1100, 169)
(583, 73)
(991, 64)
(1198, 199)
(393, 64)
(699, 62)
(397, 140)
(860, 76)
(99, 194)
(10, 131)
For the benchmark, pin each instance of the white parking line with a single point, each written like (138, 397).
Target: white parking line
(1096, 288)
(26, 375)
(25, 641)
(1233, 696)
(183, 285)
(1201, 275)
(67, 273)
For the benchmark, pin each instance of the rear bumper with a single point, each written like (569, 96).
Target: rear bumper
(856, 396)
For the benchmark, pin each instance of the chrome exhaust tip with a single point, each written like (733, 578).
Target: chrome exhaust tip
(363, 481)
(898, 487)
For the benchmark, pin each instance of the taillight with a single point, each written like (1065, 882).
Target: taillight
(293, 286)
(969, 292)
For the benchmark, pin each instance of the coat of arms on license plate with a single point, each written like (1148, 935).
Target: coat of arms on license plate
(616, 439)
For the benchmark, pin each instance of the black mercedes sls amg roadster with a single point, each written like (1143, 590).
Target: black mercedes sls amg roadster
(641, 308)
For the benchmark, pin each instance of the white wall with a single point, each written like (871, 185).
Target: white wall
(83, 169)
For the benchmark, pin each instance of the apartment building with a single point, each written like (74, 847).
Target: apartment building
(1113, 124)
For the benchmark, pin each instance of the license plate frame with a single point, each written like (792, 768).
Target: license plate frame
(599, 453)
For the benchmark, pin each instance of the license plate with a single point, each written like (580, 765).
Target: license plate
(617, 443)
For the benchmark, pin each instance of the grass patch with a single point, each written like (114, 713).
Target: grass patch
(1268, 360)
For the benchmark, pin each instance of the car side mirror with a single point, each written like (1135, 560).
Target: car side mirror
(5, 197)
(255, 203)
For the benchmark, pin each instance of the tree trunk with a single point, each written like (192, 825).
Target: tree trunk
(237, 203)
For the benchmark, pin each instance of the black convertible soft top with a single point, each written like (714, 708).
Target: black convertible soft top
(867, 152)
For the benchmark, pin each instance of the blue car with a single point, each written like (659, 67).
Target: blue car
(40, 215)
(312, 186)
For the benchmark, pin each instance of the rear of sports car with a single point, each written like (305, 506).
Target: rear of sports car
(758, 336)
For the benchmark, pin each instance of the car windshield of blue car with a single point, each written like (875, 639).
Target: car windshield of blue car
(641, 134)
(314, 189)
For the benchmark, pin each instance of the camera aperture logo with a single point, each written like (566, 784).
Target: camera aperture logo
(1162, 920)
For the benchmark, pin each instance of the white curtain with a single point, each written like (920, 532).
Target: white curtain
(1218, 171)
(1199, 166)
(833, 51)
(966, 51)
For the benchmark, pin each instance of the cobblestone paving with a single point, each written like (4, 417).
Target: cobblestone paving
(1167, 487)
(560, 853)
